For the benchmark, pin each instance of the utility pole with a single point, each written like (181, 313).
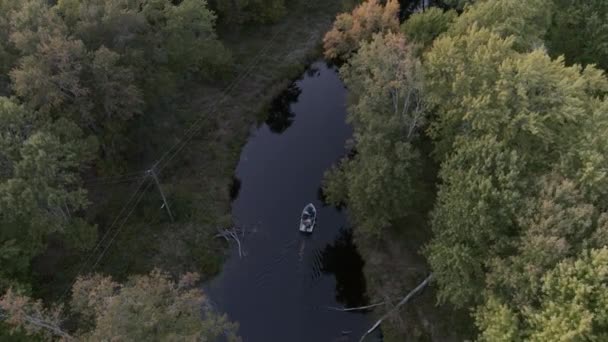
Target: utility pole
(152, 173)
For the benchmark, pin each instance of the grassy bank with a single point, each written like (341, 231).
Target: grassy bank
(196, 180)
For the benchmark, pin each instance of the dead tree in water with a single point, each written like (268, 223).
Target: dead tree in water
(405, 299)
(232, 234)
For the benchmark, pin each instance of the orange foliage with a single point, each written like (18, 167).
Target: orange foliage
(350, 29)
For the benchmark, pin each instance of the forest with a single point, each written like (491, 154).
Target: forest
(479, 154)
(95, 96)
(481, 130)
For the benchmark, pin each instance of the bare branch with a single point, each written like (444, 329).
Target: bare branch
(232, 233)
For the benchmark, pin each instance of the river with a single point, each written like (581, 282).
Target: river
(282, 286)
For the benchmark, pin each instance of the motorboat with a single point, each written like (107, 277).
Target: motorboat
(308, 218)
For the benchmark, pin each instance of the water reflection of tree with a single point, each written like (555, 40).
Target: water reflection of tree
(343, 260)
(280, 115)
(313, 71)
(235, 188)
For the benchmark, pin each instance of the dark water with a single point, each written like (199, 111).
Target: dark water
(281, 288)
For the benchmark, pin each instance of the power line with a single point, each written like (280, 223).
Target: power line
(103, 252)
(112, 178)
(116, 181)
(195, 127)
(105, 235)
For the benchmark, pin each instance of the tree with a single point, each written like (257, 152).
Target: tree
(40, 193)
(7, 50)
(480, 85)
(579, 31)
(558, 226)
(574, 300)
(385, 83)
(190, 41)
(49, 80)
(249, 11)
(151, 307)
(497, 322)
(32, 23)
(458, 4)
(505, 118)
(484, 185)
(459, 68)
(117, 98)
(352, 29)
(571, 307)
(590, 150)
(96, 61)
(423, 27)
(118, 25)
(526, 21)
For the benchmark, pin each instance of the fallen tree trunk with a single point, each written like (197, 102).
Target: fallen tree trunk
(405, 299)
(355, 309)
(40, 323)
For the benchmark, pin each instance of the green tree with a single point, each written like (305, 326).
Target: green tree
(579, 31)
(158, 41)
(190, 40)
(352, 29)
(151, 307)
(459, 68)
(117, 98)
(7, 50)
(249, 11)
(571, 306)
(40, 190)
(94, 68)
(458, 4)
(385, 83)
(497, 322)
(575, 301)
(118, 25)
(558, 226)
(423, 27)
(483, 190)
(506, 118)
(49, 80)
(31, 25)
(480, 85)
(526, 21)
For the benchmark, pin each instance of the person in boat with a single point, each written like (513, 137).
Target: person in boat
(306, 219)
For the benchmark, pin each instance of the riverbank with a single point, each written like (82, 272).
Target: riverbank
(394, 266)
(198, 180)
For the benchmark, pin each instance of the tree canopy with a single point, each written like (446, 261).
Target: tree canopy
(512, 130)
(423, 27)
(579, 31)
(572, 305)
(385, 83)
(151, 307)
(250, 11)
(521, 133)
(73, 76)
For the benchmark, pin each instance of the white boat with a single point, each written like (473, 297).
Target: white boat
(308, 219)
